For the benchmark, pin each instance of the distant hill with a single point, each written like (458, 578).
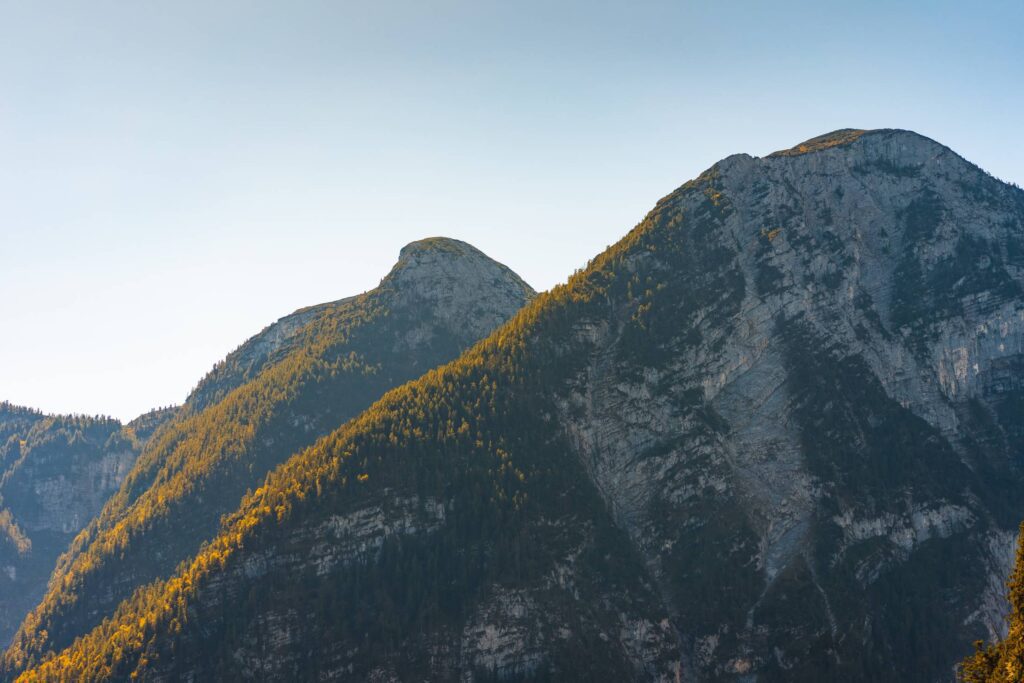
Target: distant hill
(56, 472)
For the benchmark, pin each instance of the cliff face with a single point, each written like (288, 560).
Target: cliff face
(299, 378)
(776, 433)
(821, 462)
(58, 471)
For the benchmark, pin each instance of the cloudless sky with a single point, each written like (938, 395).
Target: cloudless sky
(176, 175)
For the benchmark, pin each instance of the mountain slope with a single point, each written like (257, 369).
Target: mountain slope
(295, 381)
(773, 434)
(56, 472)
(1003, 661)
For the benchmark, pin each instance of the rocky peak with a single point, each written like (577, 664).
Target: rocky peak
(888, 150)
(836, 138)
(440, 246)
(846, 139)
(460, 284)
(437, 259)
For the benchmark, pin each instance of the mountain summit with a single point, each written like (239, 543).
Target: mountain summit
(774, 433)
(434, 272)
(439, 247)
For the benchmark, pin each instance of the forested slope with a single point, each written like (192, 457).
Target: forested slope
(1003, 661)
(56, 473)
(273, 396)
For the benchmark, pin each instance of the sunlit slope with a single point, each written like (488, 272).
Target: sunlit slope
(1003, 661)
(453, 498)
(440, 297)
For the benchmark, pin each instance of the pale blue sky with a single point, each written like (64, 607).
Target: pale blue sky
(176, 175)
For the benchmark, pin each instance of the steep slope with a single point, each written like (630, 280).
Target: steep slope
(1003, 661)
(773, 434)
(147, 424)
(56, 472)
(292, 383)
(433, 272)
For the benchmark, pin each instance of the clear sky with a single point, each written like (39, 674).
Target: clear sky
(176, 175)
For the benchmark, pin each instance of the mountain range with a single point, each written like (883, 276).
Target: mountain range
(775, 433)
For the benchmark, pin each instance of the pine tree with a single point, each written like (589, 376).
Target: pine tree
(1003, 662)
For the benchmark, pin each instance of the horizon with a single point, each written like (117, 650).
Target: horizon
(187, 175)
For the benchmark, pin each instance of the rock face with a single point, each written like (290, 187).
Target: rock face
(775, 434)
(299, 378)
(432, 275)
(58, 471)
(823, 462)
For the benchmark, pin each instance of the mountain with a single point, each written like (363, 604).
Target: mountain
(433, 278)
(298, 379)
(773, 434)
(56, 472)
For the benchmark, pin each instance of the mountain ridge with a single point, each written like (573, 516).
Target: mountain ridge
(775, 421)
(269, 398)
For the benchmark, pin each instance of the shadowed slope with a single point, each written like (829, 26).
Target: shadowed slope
(56, 473)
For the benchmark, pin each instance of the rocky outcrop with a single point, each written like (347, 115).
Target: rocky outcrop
(432, 273)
